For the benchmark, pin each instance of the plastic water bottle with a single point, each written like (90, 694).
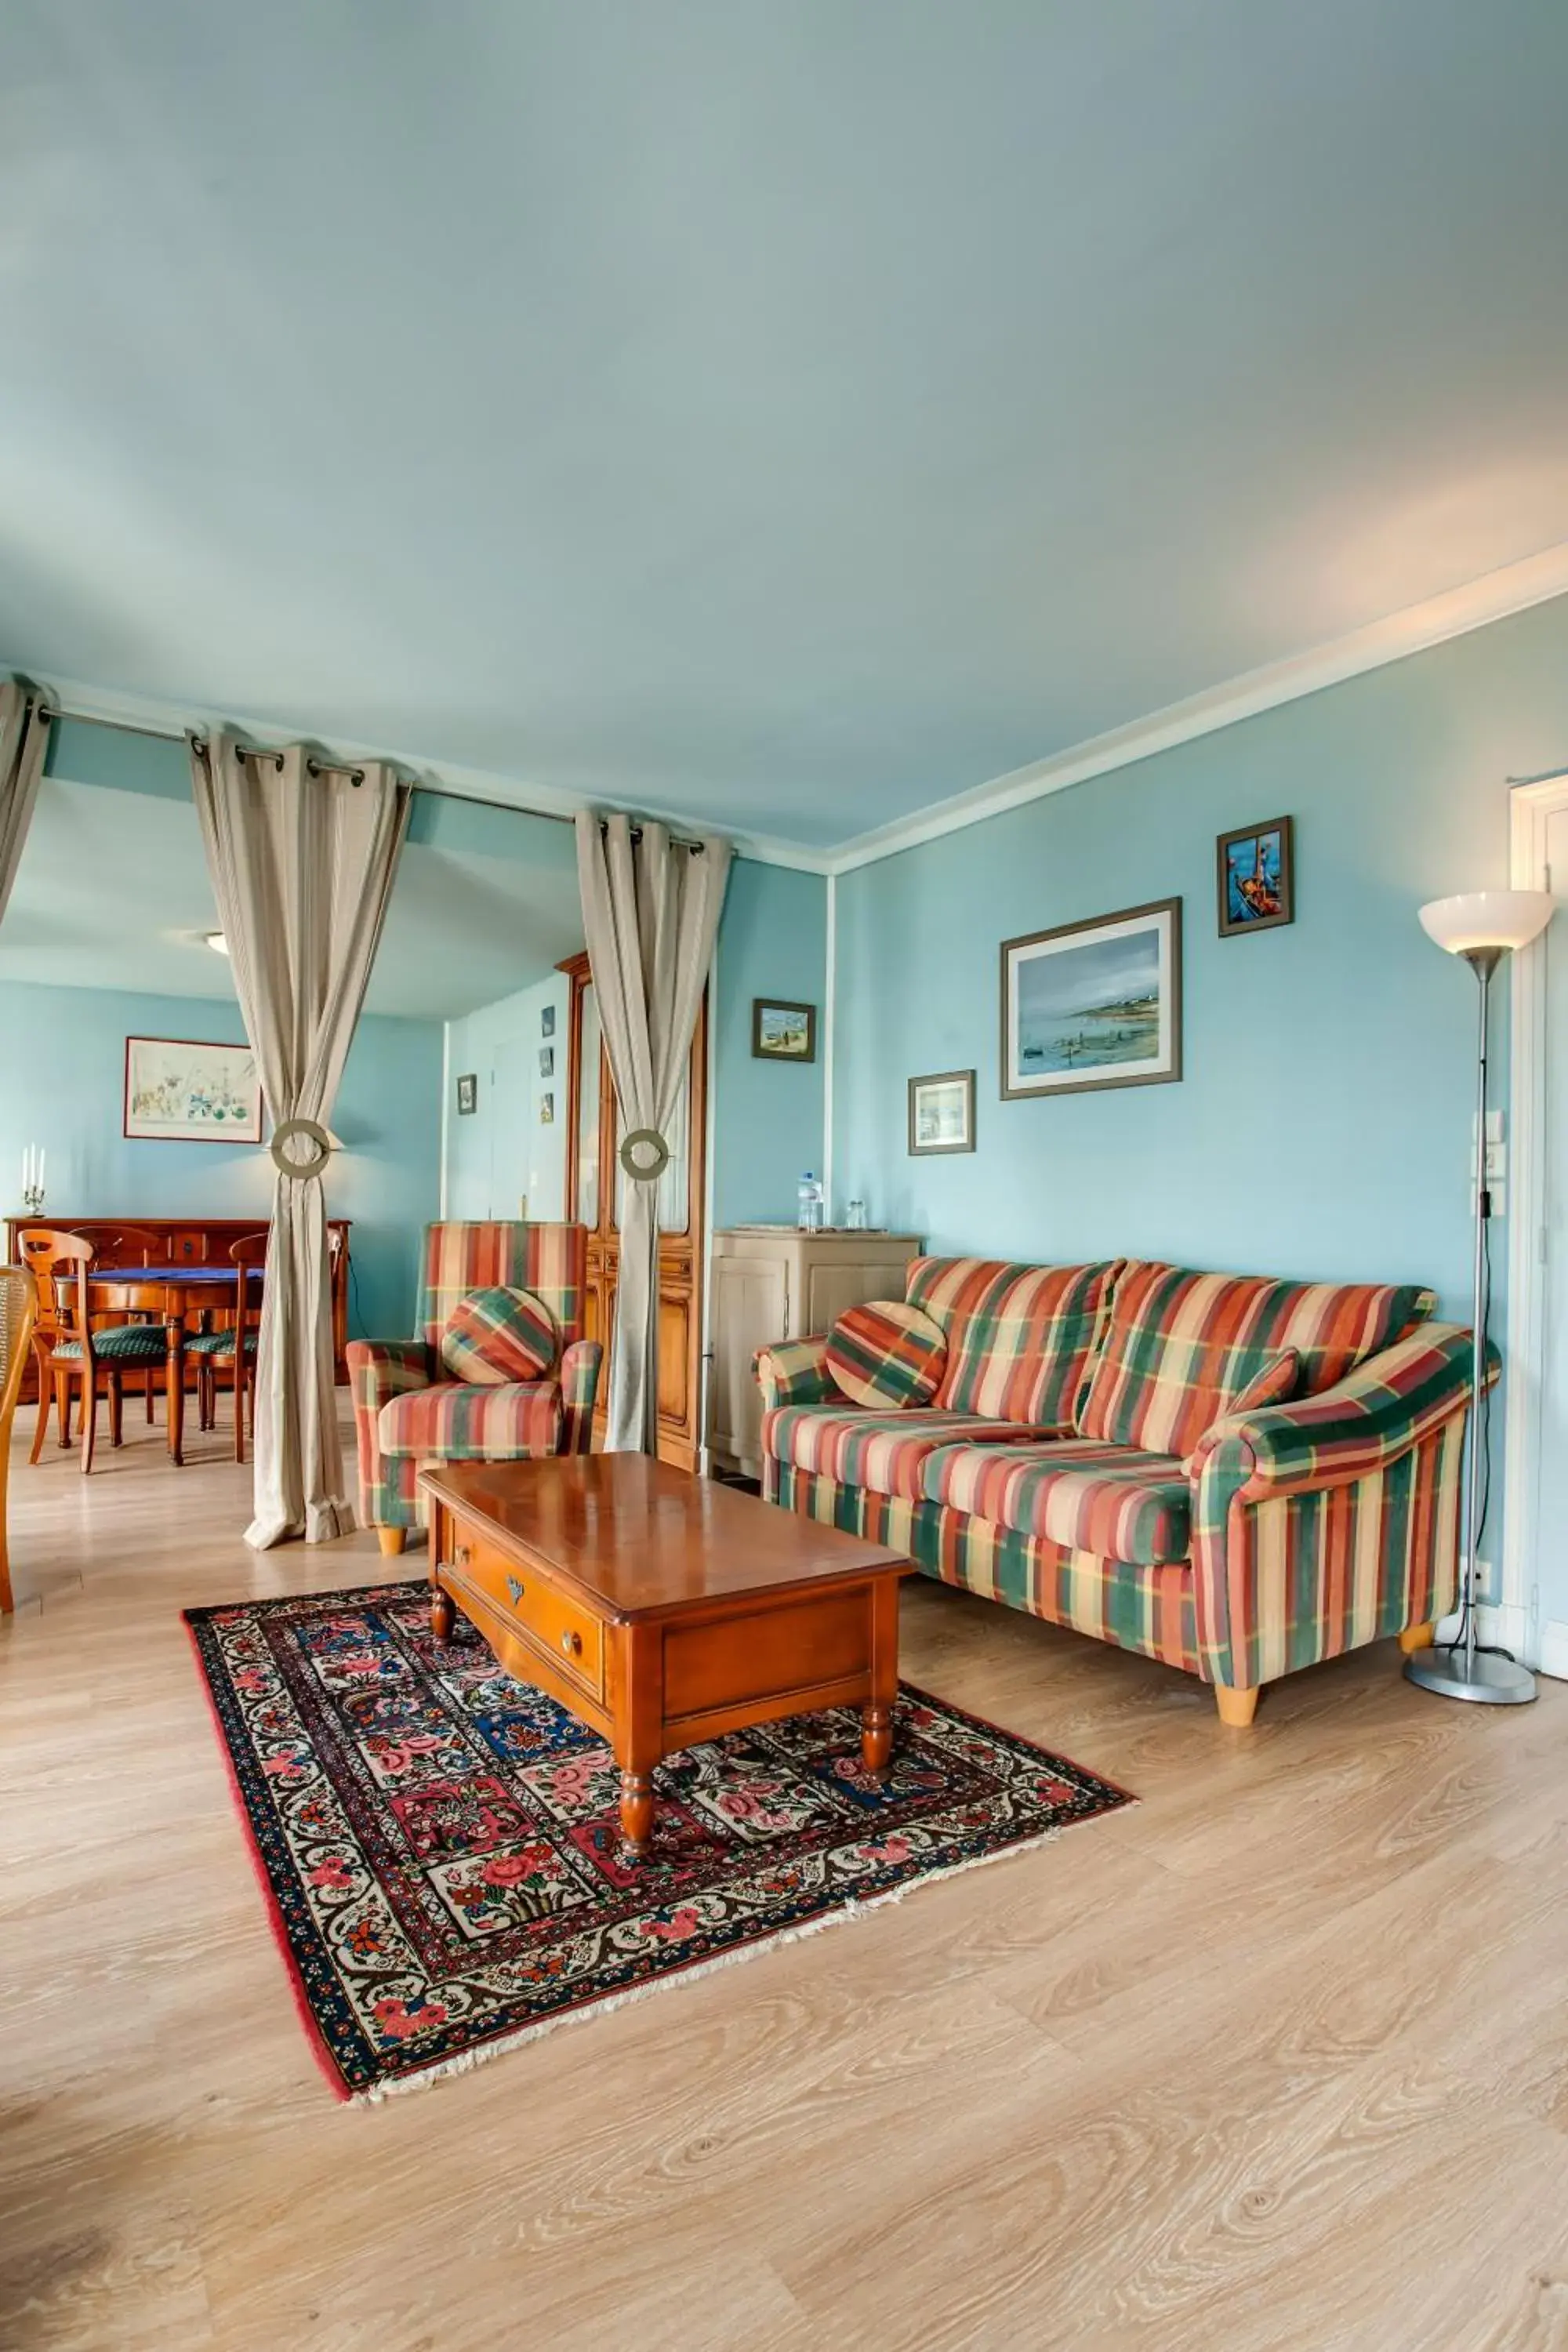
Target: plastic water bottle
(809, 1214)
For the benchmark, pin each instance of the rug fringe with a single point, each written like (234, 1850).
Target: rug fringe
(855, 1908)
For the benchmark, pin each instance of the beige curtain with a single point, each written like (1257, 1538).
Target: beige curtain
(24, 739)
(302, 857)
(650, 910)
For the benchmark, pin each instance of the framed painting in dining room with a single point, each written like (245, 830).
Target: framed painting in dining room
(1093, 1005)
(186, 1090)
(942, 1113)
(1256, 877)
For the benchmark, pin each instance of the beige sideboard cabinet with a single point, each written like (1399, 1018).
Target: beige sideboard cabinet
(772, 1282)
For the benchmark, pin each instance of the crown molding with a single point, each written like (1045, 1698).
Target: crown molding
(1534, 581)
(1514, 589)
(145, 715)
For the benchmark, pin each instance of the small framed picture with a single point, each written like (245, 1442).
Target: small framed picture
(468, 1094)
(183, 1090)
(547, 1061)
(547, 1020)
(1094, 1005)
(783, 1032)
(942, 1112)
(546, 1111)
(1257, 877)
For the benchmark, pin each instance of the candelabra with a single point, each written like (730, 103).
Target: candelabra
(33, 1200)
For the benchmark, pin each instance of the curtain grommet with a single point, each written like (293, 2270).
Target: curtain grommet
(311, 1132)
(648, 1138)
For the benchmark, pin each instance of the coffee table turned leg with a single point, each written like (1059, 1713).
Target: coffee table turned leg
(876, 1737)
(637, 1813)
(876, 1715)
(443, 1615)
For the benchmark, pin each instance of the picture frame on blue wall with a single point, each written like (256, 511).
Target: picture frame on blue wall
(547, 1061)
(189, 1091)
(547, 1020)
(468, 1094)
(1092, 1005)
(1256, 877)
(783, 1031)
(942, 1113)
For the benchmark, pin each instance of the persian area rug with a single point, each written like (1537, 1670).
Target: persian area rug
(440, 1850)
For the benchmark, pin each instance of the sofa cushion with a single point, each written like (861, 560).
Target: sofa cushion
(886, 1353)
(1275, 1384)
(1178, 1344)
(1086, 1497)
(881, 1452)
(1019, 1338)
(453, 1422)
(497, 1334)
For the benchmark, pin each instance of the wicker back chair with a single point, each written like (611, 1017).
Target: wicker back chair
(17, 1308)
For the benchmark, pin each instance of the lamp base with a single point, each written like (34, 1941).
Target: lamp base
(1489, 1681)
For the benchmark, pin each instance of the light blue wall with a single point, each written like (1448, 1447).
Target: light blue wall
(62, 1061)
(767, 1116)
(1322, 1124)
(503, 1149)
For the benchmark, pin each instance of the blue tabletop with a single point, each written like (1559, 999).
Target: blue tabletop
(154, 1273)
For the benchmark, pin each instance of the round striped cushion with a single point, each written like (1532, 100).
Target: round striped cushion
(886, 1353)
(498, 1334)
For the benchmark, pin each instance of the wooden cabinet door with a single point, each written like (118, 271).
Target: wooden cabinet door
(750, 1309)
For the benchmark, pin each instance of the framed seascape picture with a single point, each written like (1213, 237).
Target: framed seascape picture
(942, 1112)
(1094, 1005)
(1257, 877)
(178, 1090)
(783, 1032)
(468, 1094)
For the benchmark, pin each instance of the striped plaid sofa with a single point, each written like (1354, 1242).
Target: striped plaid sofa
(1080, 1460)
(408, 1411)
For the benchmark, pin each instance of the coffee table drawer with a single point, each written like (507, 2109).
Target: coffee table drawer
(570, 1638)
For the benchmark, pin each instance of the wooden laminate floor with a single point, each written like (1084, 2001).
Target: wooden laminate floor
(1274, 2060)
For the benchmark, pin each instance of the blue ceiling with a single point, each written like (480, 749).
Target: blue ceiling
(784, 414)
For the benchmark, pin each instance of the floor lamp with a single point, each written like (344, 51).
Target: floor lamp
(1482, 926)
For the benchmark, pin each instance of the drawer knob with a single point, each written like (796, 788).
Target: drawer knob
(461, 1555)
(514, 1588)
(573, 1645)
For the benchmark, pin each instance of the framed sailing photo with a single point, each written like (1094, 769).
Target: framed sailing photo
(942, 1112)
(1257, 877)
(1094, 1005)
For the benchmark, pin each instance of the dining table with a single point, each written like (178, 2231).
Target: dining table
(171, 1292)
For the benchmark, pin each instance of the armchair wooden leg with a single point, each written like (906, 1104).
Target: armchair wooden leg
(1417, 1637)
(391, 1540)
(1237, 1707)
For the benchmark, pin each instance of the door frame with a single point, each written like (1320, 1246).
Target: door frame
(1518, 1622)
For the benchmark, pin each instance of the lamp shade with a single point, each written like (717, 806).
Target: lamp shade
(1487, 918)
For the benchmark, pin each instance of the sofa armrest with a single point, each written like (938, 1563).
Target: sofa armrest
(794, 1372)
(380, 1370)
(1360, 1426)
(580, 1368)
(1323, 1525)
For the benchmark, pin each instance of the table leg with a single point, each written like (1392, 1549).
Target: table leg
(639, 1732)
(175, 1381)
(443, 1615)
(876, 1715)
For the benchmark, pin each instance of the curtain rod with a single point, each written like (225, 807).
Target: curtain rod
(52, 710)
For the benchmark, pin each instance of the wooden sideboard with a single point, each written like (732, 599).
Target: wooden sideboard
(194, 1241)
(771, 1281)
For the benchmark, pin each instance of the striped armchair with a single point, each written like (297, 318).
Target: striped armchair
(409, 1412)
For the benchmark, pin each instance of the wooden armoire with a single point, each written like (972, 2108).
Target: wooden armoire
(595, 1185)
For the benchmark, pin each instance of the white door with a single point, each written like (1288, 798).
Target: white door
(1550, 1512)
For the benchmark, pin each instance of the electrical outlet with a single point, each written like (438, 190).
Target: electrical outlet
(1494, 1127)
(1496, 1163)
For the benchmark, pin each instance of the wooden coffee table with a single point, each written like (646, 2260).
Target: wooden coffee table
(663, 1609)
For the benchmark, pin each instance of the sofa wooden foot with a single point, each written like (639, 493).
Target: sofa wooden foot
(1417, 1637)
(391, 1540)
(1237, 1707)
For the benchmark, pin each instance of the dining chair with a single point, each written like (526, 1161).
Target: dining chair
(18, 1311)
(66, 1347)
(235, 1347)
(121, 1245)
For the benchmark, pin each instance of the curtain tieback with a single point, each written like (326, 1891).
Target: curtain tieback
(300, 1165)
(647, 1140)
